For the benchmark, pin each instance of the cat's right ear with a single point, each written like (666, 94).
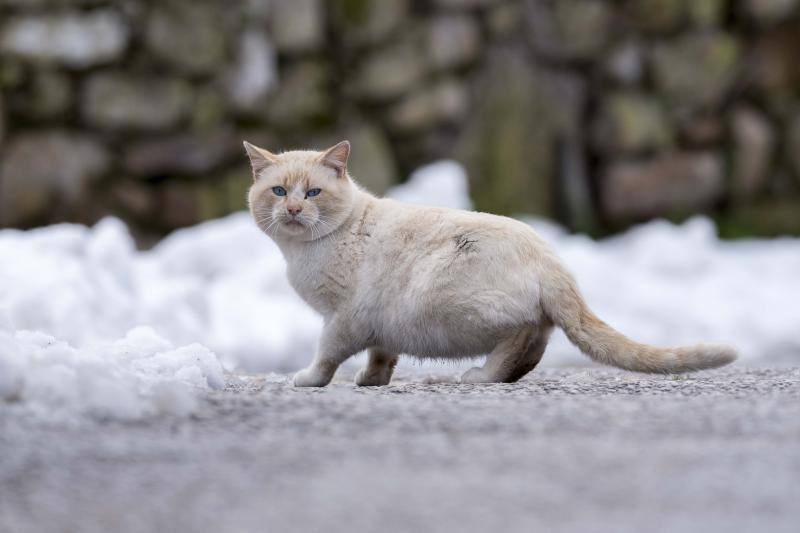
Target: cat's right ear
(259, 158)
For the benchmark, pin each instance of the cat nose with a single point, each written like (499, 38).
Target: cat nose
(294, 210)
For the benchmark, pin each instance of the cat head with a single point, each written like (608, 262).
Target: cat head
(301, 194)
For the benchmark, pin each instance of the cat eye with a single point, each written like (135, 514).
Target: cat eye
(279, 191)
(312, 192)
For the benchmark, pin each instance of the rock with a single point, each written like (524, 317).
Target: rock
(568, 29)
(670, 16)
(503, 20)
(236, 184)
(453, 41)
(297, 25)
(697, 69)
(256, 11)
(773, 69)
(766, 217)
(180, 154)
(76, 40)
(368, 22)
(43, 173)
(46, 95)
(372, 162)
(2, 120)
(767, 12)
(180, 204)
(187, 36)
(701, 130)
(625, 63)
(576, 205)
(447, 100)
(120, 101)
(673, 182)
(754, 144)
(302, 96)
(466, 4)
(659, 16)
(134, 198)
(793, 144)
(390, 72)
(708, 13)
(632, 123)
(209, 108)
(255, 72)
(508, 140)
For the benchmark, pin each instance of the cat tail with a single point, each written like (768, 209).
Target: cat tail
(566, 308)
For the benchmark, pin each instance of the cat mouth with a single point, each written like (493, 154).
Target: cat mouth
(294, 224)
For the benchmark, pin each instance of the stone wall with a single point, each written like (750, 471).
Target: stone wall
(596, 112)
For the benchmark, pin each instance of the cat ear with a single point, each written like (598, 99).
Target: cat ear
(259, 158)
(336, 157)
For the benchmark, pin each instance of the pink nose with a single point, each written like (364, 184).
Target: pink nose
(294, 210)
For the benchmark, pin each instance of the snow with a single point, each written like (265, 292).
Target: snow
(139, 375)
(90, 325)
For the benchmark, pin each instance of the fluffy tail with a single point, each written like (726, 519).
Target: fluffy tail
(564, 305)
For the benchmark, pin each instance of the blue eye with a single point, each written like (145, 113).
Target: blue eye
(279, 191)
(312, 192)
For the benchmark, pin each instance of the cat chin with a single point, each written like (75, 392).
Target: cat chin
(293, 227)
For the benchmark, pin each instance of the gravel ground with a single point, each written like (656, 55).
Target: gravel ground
(570, 449)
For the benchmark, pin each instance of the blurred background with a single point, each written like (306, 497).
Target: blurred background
(596, 113)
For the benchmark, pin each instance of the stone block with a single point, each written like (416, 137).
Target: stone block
(118, 100)
(302, 97)
(297, 25)
(390, 72)
(753, 150)
(696, 70)
(78, 40)
(44, 172)
(631, 122)
(368, 22)
(180, 154)
(254, 73)
(187, 36)
(446, 100)
(568, 29)
(508, 141)
(768, 12)
(671, 183)
(453, 41)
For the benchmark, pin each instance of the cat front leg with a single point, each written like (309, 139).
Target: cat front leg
(379, 369)
(335, 346)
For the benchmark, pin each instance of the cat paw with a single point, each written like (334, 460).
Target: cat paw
(373, 379)
(309, 377)
(475, 375)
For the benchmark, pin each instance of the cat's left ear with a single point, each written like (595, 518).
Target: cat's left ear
(336, 158)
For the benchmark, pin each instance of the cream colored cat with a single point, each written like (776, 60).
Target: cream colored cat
(429, 282)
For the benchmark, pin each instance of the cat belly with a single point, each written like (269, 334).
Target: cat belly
(430, 340)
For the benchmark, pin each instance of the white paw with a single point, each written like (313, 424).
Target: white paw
(309, 377)
(475, 375)
(373, 379)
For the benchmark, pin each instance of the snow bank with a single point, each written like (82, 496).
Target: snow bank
(222, 284)
(139, 375)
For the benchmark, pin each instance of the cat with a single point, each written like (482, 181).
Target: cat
(394, 278)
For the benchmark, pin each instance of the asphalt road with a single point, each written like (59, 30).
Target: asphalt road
(571, 449)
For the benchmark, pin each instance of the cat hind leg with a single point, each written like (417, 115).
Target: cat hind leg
(379, 369)
(513, 357)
